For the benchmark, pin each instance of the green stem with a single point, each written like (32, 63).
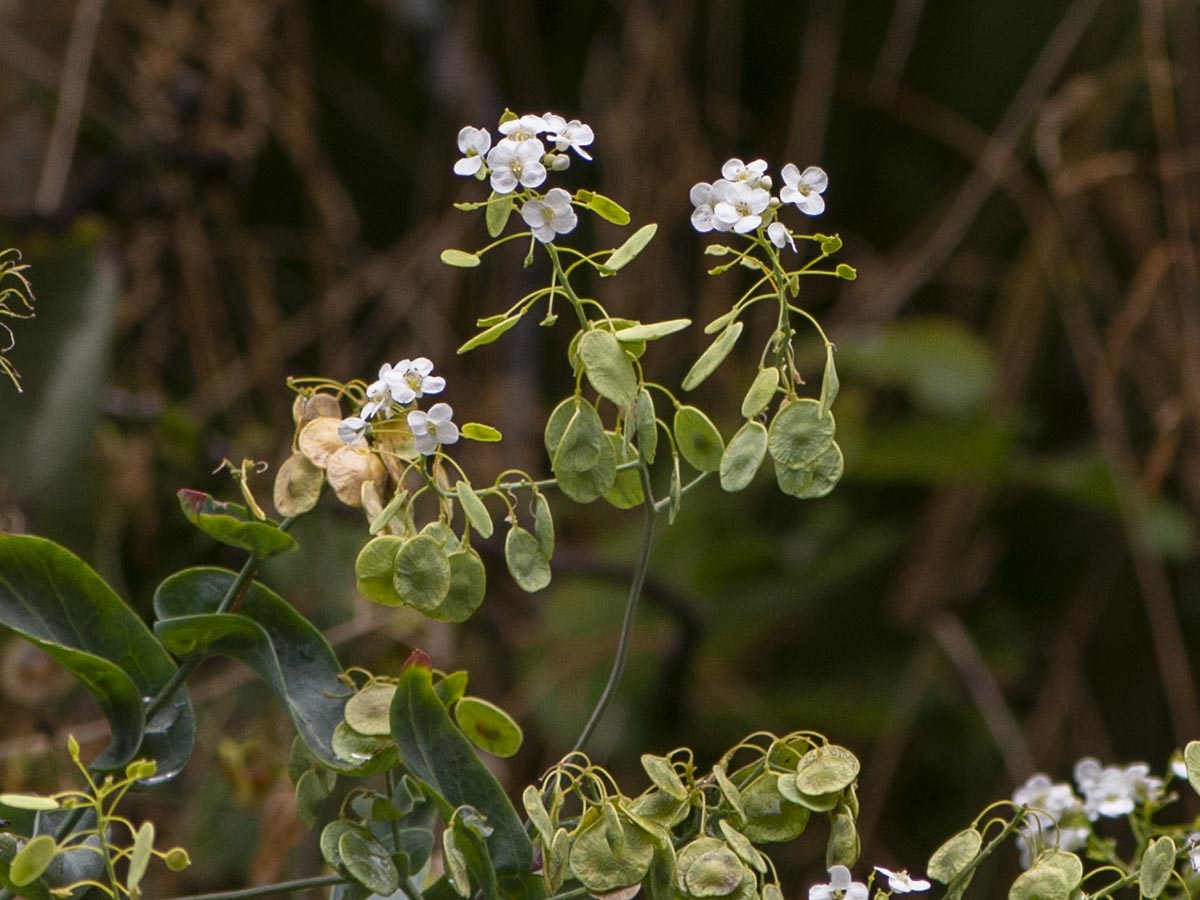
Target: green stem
(282, 887)
(566, 285)
(635, 593)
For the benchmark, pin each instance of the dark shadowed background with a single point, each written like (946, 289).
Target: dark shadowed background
(216, 194)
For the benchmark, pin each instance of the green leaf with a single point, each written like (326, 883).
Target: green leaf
(422, 573)
(646, 426)
(525, 560)
(633, 245)
(594, 863)
(474, 509)
(1157, 864)
(954, 856)
(437, 753)
(815, 481)
(29, 864)
(535, 808)
(849, 273)
(375, 570)
(467, 854)
(609, 370)
(829, 381)
(556, 424)
(843, 846)
(32, 802)
(231, 524)
(488, 726)
(769, 815)
(582, 441)
(800, 433)
(55, 601)
(476, 431)
(282, 647)
(698, 439)
(664, 776)
(626, 491)
(830, 243)
(1191, 759)
(399, 499)
(298, 485)
(713, 356)
(607, 209)
(368, 863)
(743, 456)
(468, 584)
(460, 258)
(1040, 883)
(489, 334)
(452, 687)
(139, 857)
(652, 331)
(543, 526)
(762, 390)
(499, 208)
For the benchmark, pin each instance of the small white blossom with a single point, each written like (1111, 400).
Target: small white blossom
(516, 162)
(705, 197)
(840, 886)
(781, 238)
(1178, 766)
(574, 134)
(1056, 816)
(411, 378)
(432, 428)
(753, 173)
(901, 882)
(741, 207)
(474, 144)
(352, 430)
(550, 216)
(379, 394)
(559, 162)
(1112, 791)
(524, 128)
(804, 188)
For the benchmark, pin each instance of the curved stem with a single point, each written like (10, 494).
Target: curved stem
(635, 593)
(282, 887)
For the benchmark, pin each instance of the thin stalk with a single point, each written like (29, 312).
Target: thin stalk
(282, 887)
(635, 593)
(566, 285)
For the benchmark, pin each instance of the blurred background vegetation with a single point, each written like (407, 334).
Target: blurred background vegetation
(214, 195)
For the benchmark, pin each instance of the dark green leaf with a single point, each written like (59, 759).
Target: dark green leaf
(368, 863)
(437, 753)
(231, 524)
(269, 636)
(54, 600)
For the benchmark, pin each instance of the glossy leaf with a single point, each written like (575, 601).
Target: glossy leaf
(713, 356)
(525, 560)
(267, 634)
(231, 524)
(800, 433)
(629, 250)
(609, 370)
(54, 600)
(698, 440)
(743, 456)
(488, 726)
(367, 862)
(436, 752)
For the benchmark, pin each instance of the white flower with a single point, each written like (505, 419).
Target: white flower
(524, 128)
(1056, 816)
(352, 430)
(804, 188)
(432, 428)
(753, 173)
(840, 886)
(550, 216)
(1049, 800)
(1178, 766)
(901, 882)
(474, 143)
(781, 237)
(559, 162)
(410, 379)
(514, 162)
(1112, 791)
(705, 197)
(379, 394)
(573, 134)
(741, 207)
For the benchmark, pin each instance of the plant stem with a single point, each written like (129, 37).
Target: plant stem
(635, 593)
(282, 887)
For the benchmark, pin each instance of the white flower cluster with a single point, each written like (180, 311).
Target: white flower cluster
(741, 201)
(402, 385)
(1064, 818)
(520, 158)
(841, 885)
